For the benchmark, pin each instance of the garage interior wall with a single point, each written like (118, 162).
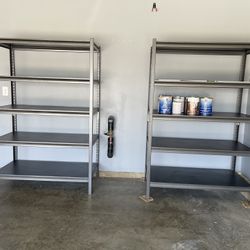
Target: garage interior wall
(125, 30)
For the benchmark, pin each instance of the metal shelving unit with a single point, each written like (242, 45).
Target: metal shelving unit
(81, 172)
(196, 178)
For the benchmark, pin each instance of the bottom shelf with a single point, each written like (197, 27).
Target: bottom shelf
(197, 178)
(46, 171)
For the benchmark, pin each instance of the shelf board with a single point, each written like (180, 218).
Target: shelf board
(45, 79)
(200, 146)
(47, 44)
(202, 83)
(45, 110)
(203, 48)
(197, 178)
(46, 171)
(216, 116)
(46, 139)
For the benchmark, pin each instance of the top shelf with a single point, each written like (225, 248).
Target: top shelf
(47, 44)
(203, 48)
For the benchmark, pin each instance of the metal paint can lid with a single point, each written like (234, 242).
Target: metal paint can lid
(193, 99)
(205, 98)
(179, 98)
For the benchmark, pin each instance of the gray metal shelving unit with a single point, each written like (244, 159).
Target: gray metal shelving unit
(81, 172)
(196, 178)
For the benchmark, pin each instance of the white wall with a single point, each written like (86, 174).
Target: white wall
(125, 30)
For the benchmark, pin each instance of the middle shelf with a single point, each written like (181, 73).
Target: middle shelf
(216, 116)
(46, 139)
(39, 79)
(46, 110)
(200, 146)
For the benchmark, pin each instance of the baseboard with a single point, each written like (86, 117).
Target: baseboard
(110, 174)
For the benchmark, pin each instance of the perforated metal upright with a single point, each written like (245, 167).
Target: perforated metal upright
(81, 172)
(196, 178)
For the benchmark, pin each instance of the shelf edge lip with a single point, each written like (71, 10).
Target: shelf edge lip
(46, 79)
(198, 81)
(46, 144)
(193, 51)
(201, 83)
(201, 151)
(44, 178)
(203, 45)
(196, 186)
(44, 113)
(200, 118)
(205, 86)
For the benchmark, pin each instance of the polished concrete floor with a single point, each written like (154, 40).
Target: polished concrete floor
(46, 216)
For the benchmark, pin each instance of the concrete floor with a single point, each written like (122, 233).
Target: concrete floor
(47, 216)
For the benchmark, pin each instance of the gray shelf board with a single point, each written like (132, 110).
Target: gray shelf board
(201, 45)
(200, 146)
(202, 83)
(216, 116)
(46, 44)
(197, 178)
(215, 48)
(46, 110)
(45, 79)
(46, 139)
(46, 171)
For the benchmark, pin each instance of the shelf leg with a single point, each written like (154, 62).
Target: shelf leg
(99, 113)
(91, 106)
(245, 203)
(239, 107)
(147, 197)
(13, 97)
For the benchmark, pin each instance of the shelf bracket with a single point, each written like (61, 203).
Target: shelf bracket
(246, 202)
(146, 199)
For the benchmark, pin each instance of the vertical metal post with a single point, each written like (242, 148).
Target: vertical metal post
(237, 125)
(150, 60)
(91, 105)
(150, 117)
(13, 97)
(99, 107)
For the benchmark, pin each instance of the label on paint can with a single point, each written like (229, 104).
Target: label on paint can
(193, 105)
(177, 108)
(165, 104)
(206, 106)
(178, 105)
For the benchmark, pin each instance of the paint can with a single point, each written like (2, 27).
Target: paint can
(193, 105)
(206, 106)
(178, 105)
(165, 104)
